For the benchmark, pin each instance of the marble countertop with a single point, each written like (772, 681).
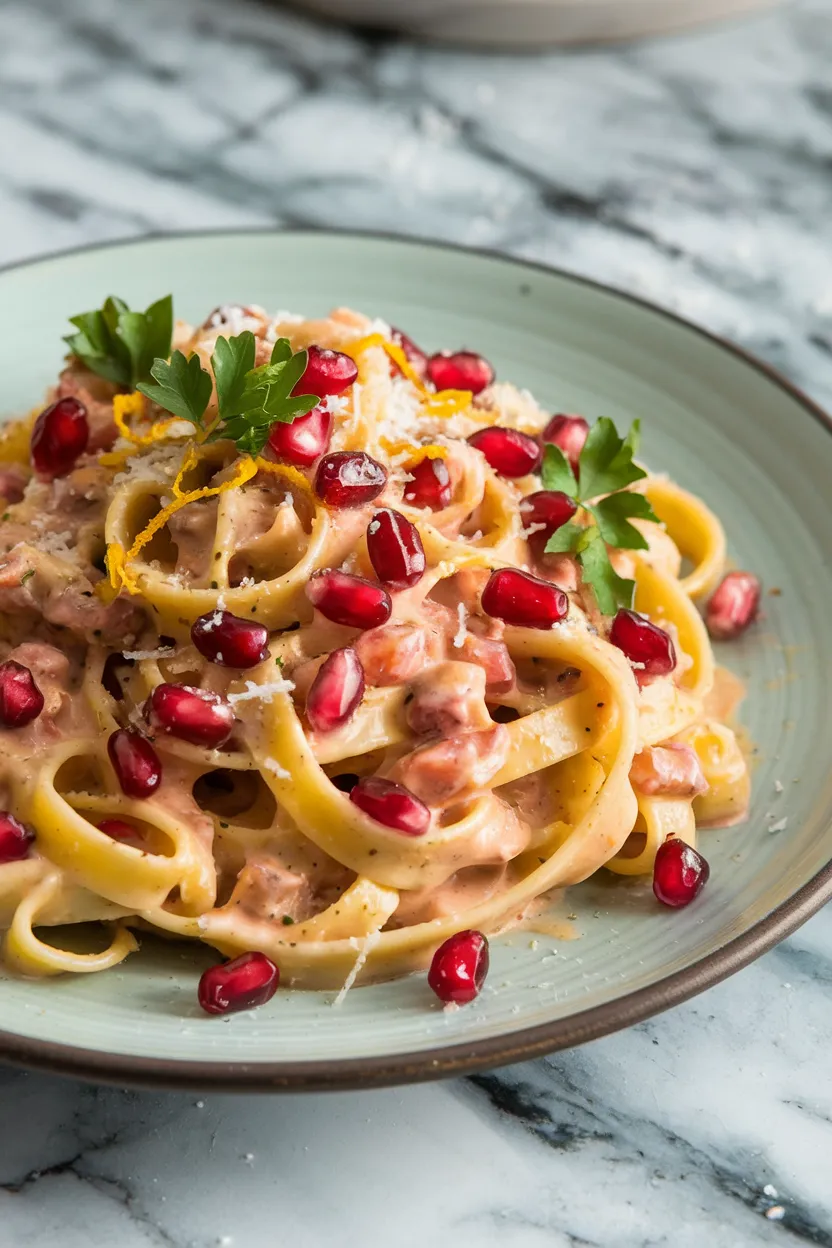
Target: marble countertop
(695, 171)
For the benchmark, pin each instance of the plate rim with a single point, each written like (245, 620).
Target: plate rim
(332, 1074)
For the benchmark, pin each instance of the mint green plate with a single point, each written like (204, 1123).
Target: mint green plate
(724, 426)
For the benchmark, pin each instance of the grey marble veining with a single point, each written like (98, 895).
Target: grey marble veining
(696, 171)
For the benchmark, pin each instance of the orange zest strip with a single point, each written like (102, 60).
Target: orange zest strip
(417, 453)
(294, 475)
(118, 560)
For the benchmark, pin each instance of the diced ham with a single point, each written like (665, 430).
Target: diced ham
(51, 587)
(493, 657)
(266, 889)
(397, 653)
(671, 770)
(454, 767)
(449, 699)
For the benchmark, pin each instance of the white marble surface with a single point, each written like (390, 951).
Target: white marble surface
(697, 171)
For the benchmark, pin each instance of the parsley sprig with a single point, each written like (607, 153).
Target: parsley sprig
(119, 344)
(249, 399)
(605, 469)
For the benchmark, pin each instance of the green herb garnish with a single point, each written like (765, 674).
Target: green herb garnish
(119, 344)
(249, 399)
(26, 575)
(605, 469)
(287, 920)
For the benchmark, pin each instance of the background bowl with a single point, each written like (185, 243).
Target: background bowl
(528, 23)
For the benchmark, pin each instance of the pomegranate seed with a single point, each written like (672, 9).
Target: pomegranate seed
(20, 699)
(431, 484)
(391, 804)
(349, 479)
(15, 838)
(303, 440)
(194, 715)
(415, 355)
(509, 452)
(120, 830)
(524, 600)
(135, 762)
(547, 508)
(327, 372)
(460, 370)
(459, 967)
(569, 433)
(60, 435)
(243, 984)
(645, 644)
(733, 606)
(679, 873)
(349, 600)
(230, 641)
(336, 691)
(395, 549)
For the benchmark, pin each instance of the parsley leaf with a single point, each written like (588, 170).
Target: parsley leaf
(258, 397)
(611, 590)
(183, 387)
(232, 359)
(605, 469)
(606, 462)
(121, 345)
(612, 513)
(556, 471)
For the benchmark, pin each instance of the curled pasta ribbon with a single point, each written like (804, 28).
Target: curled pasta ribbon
(28, 955)
(696, 531)
(118, 566)
(122, 874)
(658, 819)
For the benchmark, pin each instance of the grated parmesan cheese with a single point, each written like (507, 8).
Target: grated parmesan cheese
(370, 942)
(271, 764)
(266, 691)
(163, 652)
(335, 404)
(459, 635)
(779, 826)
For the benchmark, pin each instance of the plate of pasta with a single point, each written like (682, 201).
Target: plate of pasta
(416, 665)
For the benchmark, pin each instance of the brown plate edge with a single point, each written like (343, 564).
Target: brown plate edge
(460, 1059)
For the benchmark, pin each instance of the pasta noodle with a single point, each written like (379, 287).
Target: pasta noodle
(542, 754)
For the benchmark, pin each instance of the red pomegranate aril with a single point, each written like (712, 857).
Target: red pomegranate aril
(336, 691)
(135, 762)
(733, 606)
(523, 600)
(242, 984)
(460, 370)
(391, 804)
(349, 600)
(194, 715)
(229, 641)
(15, 838)
(327, 372)
(123, 832)
(649, 648)
(304, 439)
(545, 512)
(679, 873)
(415, 356)
(349, 479)
(60, 434)
(430, 486)
(21, 700)
(509, 452)
(395, 549)
(459, 967)
(569, 433)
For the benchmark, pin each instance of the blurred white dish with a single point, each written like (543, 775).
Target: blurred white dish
(529, 22)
